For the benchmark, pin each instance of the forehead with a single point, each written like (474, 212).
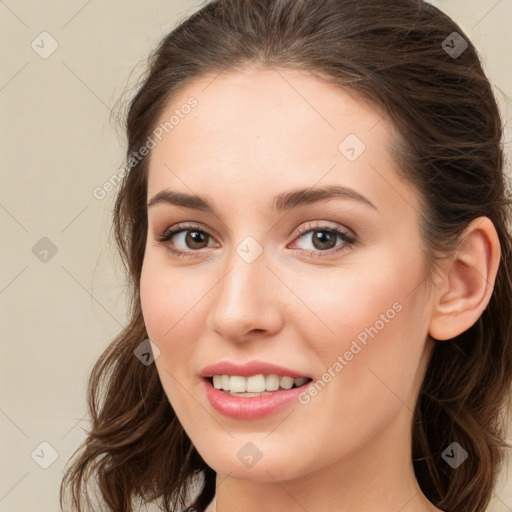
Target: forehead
(270, 129)
(258, 106)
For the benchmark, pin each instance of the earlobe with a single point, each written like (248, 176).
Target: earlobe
(466, 281)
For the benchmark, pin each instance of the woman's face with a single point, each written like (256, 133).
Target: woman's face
(267, 280)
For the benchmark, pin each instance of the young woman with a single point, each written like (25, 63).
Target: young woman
(316, 227)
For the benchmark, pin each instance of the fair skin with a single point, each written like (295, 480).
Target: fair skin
(256, 134)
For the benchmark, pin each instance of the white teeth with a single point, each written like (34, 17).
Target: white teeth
(255, 384)
(237, 384)
(286, 382)
(217, 381)
(272, 382)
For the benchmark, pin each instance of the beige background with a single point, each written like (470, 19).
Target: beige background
(57, 145)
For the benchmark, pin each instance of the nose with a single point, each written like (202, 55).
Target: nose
(244, 302)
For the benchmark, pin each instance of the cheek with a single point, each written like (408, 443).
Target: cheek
(170, 299)
(167, 302)
(371, 363)
(373, 338)
(175, 306)
(171, 306)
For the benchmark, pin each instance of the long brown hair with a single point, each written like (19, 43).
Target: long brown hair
(394, 54)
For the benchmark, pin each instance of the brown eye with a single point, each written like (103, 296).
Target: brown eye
(323, 239)
(194, 239)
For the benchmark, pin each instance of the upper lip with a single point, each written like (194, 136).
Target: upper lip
(248, 369)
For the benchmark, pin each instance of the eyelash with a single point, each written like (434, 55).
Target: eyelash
(346, 237)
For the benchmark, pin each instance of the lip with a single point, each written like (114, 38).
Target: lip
(248, 369)
(250, 408)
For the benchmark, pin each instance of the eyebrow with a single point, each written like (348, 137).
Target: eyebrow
(282, 202)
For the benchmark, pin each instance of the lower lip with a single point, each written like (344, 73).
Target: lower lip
(250, 408)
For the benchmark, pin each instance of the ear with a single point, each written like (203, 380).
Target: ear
(466, 281)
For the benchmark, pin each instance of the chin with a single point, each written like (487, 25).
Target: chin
(265, 470)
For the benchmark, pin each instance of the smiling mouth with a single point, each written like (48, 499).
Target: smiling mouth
(256, 385)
